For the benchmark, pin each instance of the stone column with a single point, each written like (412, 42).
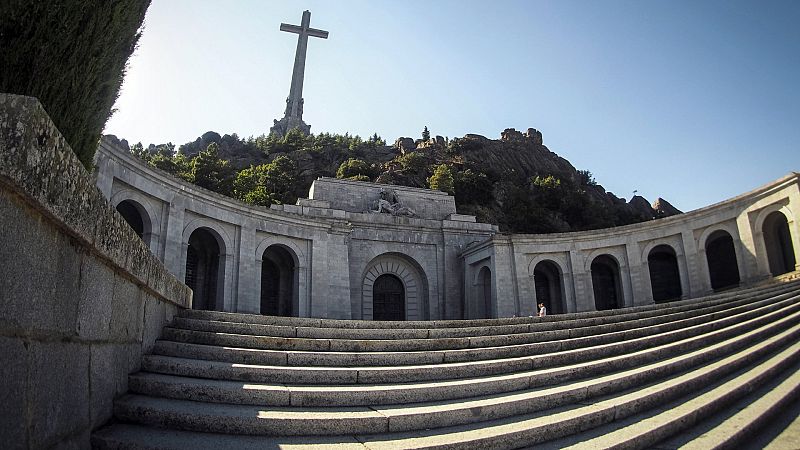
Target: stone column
(504, 298)
(639, 275)
(696, 265)
(746, 251)
(175, 248)
(248, 297)
(582, 280)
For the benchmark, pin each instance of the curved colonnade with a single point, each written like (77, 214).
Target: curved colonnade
(328, 257)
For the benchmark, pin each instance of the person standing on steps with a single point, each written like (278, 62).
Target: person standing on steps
(542, 310)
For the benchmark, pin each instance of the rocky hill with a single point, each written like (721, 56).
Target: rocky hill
(514, 181)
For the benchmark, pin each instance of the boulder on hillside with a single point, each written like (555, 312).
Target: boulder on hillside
(664, 209)
(405, 144)
(642, 207)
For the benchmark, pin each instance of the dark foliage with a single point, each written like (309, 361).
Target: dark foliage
(71, 55)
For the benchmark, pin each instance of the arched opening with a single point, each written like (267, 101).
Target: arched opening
(134, 214)
(606, 283)
(204, 271)
(778, 240)
(665, 277)
(721, 258)
(388, 298)
(278, 282)
(547, 282)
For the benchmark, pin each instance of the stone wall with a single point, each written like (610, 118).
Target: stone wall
(513, 258)
(81, 296)
(359, 197)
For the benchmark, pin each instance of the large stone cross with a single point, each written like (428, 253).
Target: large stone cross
(293, 117)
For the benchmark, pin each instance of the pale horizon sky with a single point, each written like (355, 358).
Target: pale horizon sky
(692, 101)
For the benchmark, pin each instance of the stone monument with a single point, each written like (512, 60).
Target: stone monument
(293, 116)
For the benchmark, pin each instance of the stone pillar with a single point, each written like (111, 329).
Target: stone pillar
(639, 277)
(747, 251)
(175, 248)
(248, 296)
(696, 265)
(526, 291)
(582, 280)
(504, 298)
(331, 279)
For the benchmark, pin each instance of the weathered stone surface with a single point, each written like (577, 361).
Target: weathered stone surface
(40, 268)
(107, 379)
(14, 393)
(127, 311)
(405, 144)
(663, 208)
(94, 309)
(59, 380)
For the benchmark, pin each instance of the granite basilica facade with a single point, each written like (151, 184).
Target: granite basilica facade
(355, 250)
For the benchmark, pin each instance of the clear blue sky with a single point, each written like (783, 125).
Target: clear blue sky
(692, 101)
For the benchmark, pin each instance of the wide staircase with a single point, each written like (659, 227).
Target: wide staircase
(701, 373)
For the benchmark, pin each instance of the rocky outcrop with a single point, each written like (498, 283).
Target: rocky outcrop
(664, 209)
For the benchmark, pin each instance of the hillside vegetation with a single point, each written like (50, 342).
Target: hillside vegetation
(515, 182)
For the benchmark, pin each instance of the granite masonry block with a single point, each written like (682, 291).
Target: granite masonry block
(107, 378)
(96, 292)
(154, 317)
(40, 268)
(59, 395)
(14, 392)
(127, 309)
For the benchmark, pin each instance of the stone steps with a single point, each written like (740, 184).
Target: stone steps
(328, 394)
(654, 346)
(235, 323)
(630, 379)
(629, 335)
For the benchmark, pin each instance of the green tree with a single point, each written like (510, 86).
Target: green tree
(267, 184)
(209, 171)
(71, 55)
(357, 169)
(426, 135)
(442, 179)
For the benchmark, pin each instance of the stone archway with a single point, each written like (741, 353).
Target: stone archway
(778, 243)
(279, 282)
(205, 272)
(136, 216)
(606, 283)
(410, 275)
(723, 269)
(547, 282)
(665, 277)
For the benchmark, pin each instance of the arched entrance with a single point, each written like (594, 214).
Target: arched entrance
(721, 258)
(665, 277)
(606, 283)
(278, 282)
(778, 241)
(388, 298)
(136, 216)
(547, 283)
(483, 294)
(412, 280)
(204, 269)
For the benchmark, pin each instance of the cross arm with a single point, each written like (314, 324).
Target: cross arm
(299, 30)
(317, 33)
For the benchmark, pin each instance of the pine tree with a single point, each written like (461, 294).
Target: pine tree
(442, 179)
(426, 135)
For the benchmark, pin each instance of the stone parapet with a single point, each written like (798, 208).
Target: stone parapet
(82, 296)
